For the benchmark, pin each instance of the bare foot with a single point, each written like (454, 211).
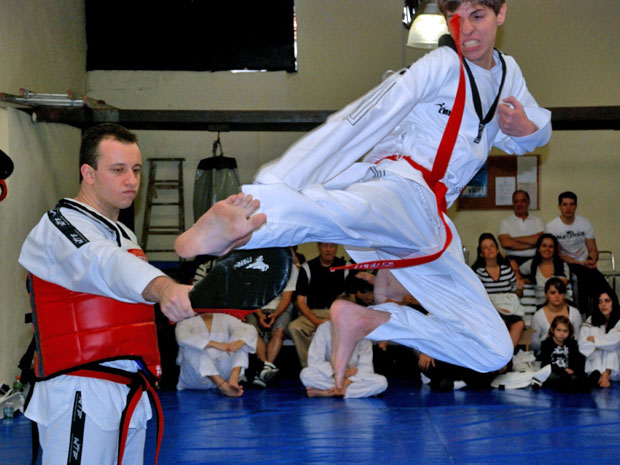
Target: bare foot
(230, 390)
(605, 380)
(314, 392)
(350, 323)
(227, 224)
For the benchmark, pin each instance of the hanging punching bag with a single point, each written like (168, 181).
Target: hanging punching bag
(216, 179)
(6, 168)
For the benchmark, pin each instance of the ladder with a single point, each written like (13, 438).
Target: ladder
(156, 184)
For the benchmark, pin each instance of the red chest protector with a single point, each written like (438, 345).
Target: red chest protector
(73, 329)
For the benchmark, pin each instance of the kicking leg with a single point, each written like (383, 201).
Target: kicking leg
(227, 224)
(350, 323)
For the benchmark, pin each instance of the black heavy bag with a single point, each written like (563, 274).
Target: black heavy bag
(216, 179)
(6, 168)
(243, 281)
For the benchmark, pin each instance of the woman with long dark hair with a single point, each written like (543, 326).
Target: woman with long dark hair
(498, 277)
(545, 264)
(599, 340)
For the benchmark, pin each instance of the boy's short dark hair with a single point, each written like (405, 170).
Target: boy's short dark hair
(94, 135)
(567, 195)
(448, 6)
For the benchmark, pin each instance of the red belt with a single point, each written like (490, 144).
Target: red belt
(432, 177)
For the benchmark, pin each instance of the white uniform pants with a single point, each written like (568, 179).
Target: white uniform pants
(365, 385)
(99, 447)
(381, 215)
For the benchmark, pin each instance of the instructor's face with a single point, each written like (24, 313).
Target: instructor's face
(116, 180)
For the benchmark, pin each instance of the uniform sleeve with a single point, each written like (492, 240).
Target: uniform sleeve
(239, 331)
(192, 333)
(319, 351)
(541, 117)
(610, 340)
(98, 267)
(353, 131)
(587, 347)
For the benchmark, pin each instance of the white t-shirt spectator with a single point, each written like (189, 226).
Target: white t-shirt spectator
(572, 237)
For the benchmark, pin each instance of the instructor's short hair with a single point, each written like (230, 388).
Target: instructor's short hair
(448, 6)
(94, 135)
(567, 195)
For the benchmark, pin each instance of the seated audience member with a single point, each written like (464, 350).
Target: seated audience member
(555, 291)
(213, 352)
(360, 378)
(599, 340)
(317, 287)
(445, 377)
(545, 264)
(498, 277)
(578, 248)
(560, 350)
(519, 232)
(270, 323)
(360, 287)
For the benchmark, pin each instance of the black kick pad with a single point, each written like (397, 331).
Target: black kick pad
(243, 280)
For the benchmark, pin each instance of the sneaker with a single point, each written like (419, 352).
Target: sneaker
(265, 375)
(242, 380)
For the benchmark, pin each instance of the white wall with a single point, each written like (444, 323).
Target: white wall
(43, 49)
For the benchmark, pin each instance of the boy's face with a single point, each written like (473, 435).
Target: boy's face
(479, 25)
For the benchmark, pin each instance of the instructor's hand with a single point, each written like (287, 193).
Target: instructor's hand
(513, 120)
(173, 298)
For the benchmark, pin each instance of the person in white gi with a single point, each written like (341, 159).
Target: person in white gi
(599, 340)
(95, 259)
(383, 209)
(360, 377)
(213, 352)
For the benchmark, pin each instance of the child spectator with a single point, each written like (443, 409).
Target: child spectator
(360, 378)
(560, 350)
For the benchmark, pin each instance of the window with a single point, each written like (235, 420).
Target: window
(186, 35)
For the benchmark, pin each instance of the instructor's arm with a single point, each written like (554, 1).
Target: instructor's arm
(173, 298)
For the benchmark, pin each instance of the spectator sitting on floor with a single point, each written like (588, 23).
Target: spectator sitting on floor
(599, 340)
(519, 232)
(360, 287)
(360, 378)
(270, 323)
(555, 291)
(498, 277)
(317, 288)
(561, 351)
(213, 352)
(545, 264)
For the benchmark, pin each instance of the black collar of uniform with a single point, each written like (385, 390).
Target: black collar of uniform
(113, 227)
